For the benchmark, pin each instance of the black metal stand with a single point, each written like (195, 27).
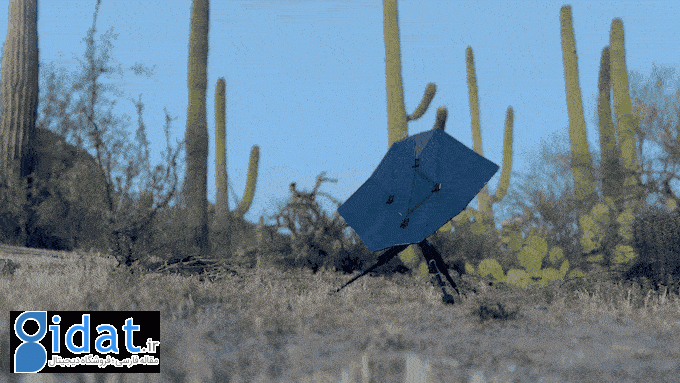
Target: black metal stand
(436, 264)
(383, 259)
(434, 260)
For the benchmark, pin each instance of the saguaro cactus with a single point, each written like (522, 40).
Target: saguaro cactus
(222, 213)
(196, 137)
(19, 89)
(18, 100)
(485, 201)
(222, 200)
(625, 124)
(397, 118)
(222, 216)
(582, 163)
(612, 180)
(222, 197)
(605, 225)
(396, 111)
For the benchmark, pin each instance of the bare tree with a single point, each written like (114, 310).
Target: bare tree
(129, 189)
(658, 131)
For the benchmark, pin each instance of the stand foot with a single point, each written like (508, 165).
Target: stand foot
(437, 266)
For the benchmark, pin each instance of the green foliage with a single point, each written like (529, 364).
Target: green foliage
(95, 188)
(12, 216)
(606, 235)
(69, 194)
(543, 199)
(655, 239)
(491, 267)
(470, 241)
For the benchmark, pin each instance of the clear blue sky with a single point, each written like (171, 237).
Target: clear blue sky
(306, 79)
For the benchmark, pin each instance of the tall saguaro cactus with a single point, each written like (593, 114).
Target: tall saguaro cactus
(485, 201)
(196, 137)
(396, 111)
(582, 163)
(222, 213)
(612, 180)
(18, 103)
(625, 124)
(397, 118)
(19, 91)
(605, 225)
(483, 195)
(222, 196)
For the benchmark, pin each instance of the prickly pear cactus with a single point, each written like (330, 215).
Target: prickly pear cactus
(604, 230)
(531, 255)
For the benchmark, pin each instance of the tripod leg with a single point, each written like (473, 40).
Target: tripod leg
(383, 259)
(431, 253)
(432, 266)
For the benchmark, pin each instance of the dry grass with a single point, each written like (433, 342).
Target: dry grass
(272, 326)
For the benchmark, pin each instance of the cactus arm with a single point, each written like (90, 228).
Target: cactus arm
(249, 193)
(397, 118)
(222, 205)
(430, 90)
(582, 164)
(507, 158)
(440, 121)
